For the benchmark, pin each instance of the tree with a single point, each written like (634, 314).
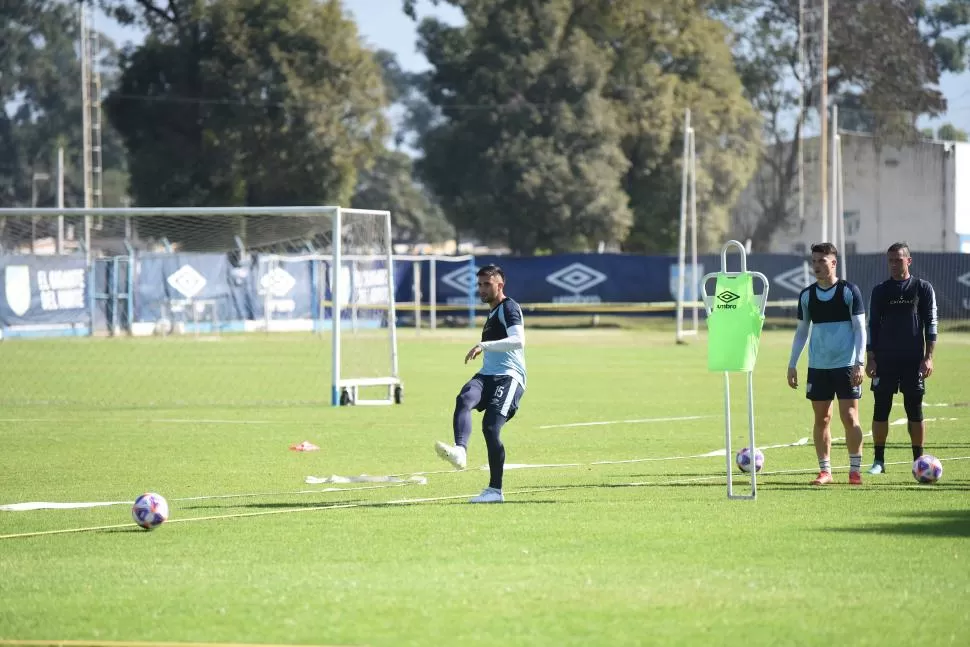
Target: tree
(245, 102)
(560, 116)
(881, 84)
(40, 92)
(408, 93)
(390, 182)
(950, 133)
(529, 153)
(670, 56)
(415, 215)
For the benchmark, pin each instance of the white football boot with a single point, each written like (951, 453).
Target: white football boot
(488, 495)
(454, 455)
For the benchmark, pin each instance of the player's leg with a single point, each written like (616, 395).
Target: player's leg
(820, 390)
(881, 406)
(502, 403)
(884, 387)
(469, 398)
(849, 396)
(913, 388)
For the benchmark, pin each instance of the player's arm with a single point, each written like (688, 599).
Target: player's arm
(514, 341)
(928, 316)
(875, 320)
(801, 331)
(514, 328)
(927, 313)
(798, 342)
(858, 310)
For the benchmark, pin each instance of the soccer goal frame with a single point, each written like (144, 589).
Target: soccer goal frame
(688, 220)
(345, 386)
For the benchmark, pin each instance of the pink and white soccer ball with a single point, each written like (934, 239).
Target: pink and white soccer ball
(743, 459)
(150, 510)
(927, 469)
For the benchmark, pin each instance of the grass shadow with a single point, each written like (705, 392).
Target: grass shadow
(926, 523)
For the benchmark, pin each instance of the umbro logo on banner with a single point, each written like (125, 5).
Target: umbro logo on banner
(576, 278)
(463, 279)
(796, 279)
(278, 282)
(187, 281)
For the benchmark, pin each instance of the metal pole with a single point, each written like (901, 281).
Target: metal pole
(682, 244)
(335, 307)
(60, 200)
(693, 232)
(824, 116)
(833, 172)
(433, 293)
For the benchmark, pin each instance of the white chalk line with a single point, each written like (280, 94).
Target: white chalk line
(597, 423)
(404, 502)
(207, 421)
(392, 480)
(49, 505)
(623, 422)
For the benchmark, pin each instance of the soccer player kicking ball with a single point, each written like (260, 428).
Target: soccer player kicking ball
(835, 353)
(902, 336)
(495, 389)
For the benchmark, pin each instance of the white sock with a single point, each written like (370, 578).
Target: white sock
(855, 462)
(825, 465)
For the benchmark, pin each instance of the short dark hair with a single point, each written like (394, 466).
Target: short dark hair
(490, 271)
(899, 247)
(825, 249)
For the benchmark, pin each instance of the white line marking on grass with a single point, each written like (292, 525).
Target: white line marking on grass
(46, 505)
(622, 422)
(51, 505)
(375, 504)
(264, 513)
(903, 421)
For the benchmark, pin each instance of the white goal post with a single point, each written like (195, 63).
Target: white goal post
(688, 277)
(210, 270)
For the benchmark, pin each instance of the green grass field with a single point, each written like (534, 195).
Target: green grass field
(584, 552)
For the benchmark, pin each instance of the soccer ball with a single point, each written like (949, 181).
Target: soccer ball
(743, 459)
(927, 469)
(150, 510)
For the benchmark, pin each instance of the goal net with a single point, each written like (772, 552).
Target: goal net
(166, 287)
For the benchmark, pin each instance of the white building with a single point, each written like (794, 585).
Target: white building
(919, 193)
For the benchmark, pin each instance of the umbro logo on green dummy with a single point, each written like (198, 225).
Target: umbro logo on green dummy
(727, 299)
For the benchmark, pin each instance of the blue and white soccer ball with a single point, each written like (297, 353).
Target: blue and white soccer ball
(150, 510)
(927, 469)
(743, 459)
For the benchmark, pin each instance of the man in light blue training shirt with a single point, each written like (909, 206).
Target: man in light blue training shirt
(836, 355)
(495, 389)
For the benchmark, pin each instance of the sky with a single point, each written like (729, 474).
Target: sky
(383, 25)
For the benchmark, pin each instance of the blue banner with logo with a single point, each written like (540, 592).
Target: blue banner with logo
(167, 284)
(44, 290)
(620, 278)
(55, 292)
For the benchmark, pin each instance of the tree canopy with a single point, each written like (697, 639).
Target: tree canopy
(562, 119)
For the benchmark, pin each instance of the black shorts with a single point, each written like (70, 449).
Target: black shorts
(829, 383)
(898, 375)
(500, 394)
